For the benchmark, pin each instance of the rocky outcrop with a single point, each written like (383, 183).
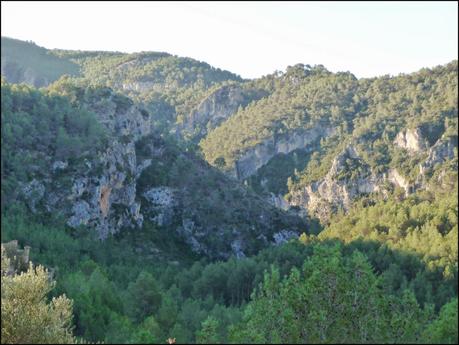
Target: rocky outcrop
(138, 175)
(214, 215)
(341, 186)
(411, 140)
(442, 150)
(217, 107)
(161, 204)
(109, 195)
(214, 109)
(192, 236)
(142, 86)
(102, 190)
(142, 166)
(237, 248)
(259, 155)
(33, 193)
(121, 117)
(81, 214)
(278, 201)
(59, 165)
(284, 236)
(399, 181)
(107, 201)
(325, 196)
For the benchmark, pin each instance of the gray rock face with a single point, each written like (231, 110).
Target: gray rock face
(33, 192)
(259, 155)
(236, 247)
(161, 204)
(111, 193)
(79, 186)
(188, 232)
(141, 86)
(81, 214)
(442, 150)
(323, 197)
(123, 120)
(278, 201)
(102, 192)
(107, 201)
(411, 140)
(330, 193)
(142, 166)
(160, 196)
(59, 165)
(215, 109)
(283, 236)
(398, 180)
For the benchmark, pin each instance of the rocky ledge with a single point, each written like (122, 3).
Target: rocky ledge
(256, 157)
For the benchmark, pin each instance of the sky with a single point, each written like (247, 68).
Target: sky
(251, 38)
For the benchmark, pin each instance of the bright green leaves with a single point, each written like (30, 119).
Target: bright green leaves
(334, 299)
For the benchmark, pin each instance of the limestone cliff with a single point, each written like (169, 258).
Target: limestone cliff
(411, 140)
(333, 192)
(98, 191)
(340, 186)
(138, 176)
(217, 107)
(260, 154)
(213, 214)
(442, 150)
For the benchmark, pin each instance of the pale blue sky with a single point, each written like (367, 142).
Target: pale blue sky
(251, 38)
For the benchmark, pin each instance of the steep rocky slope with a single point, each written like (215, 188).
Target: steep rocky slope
(260, 154)
(324, 140)
(215, 215)
(317, 139)
(135, 176)
(218, 107)
(350, 178)
(171, 87)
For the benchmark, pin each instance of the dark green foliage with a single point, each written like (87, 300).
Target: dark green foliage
(302, 97)
(208, 333)
(274, 177)
(110, 288)
(333, 299)
(384, 272)
(444, 329)
(426, 100)
(144, 297)
(368, 113)
(38, 128)
(209, 198)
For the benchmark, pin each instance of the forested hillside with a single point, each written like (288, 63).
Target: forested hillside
(167, 198)
(27, 62)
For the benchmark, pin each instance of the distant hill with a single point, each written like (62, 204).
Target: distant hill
(176, 200)
(29, 63)
(169, 85)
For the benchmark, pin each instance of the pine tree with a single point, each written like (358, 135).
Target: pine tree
(208, 334)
